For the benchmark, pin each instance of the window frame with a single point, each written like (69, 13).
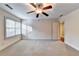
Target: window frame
(5, 36)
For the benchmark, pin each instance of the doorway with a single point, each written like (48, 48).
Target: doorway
(61, 31)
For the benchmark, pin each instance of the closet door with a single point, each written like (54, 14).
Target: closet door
(55, 30)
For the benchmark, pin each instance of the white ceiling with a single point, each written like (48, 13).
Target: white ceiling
(20, 10)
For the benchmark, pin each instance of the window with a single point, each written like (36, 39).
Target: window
(18, 28)
(26, 29)
(12, 27)
(23, 29)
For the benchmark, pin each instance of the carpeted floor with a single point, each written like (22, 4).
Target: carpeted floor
(39, 48)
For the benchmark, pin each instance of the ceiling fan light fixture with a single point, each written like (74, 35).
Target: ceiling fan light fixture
(41, 8)
(38, 11)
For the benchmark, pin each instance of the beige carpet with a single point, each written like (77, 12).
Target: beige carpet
(39, 48)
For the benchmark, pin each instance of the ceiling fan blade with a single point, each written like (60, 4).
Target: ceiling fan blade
(33, 5)
(37, 15)
(30, 12)
(45, 14)
(47, 7)
(8, 6)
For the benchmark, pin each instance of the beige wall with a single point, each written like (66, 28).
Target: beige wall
(44, 29)
(71, 29)
(41, 30)
(6, 42)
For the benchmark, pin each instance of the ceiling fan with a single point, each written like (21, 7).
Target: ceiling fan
(40, 9)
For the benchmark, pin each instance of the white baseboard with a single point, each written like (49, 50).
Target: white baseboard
(72, 46)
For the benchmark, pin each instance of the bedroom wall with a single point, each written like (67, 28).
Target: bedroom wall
(71, 29)
(44, 29)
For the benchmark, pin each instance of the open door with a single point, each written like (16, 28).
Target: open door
(61, 31)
